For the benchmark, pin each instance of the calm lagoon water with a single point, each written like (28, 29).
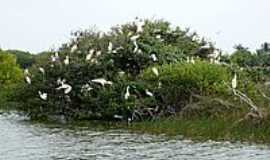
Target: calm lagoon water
(23, 140)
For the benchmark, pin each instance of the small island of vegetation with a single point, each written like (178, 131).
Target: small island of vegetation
(157, 78)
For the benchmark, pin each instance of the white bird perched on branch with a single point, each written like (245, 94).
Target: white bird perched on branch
(140, 25)
(110, 47)
(86, 87)
(43, 96)
(67, 88)
(41, 70)
(154, 57)
(60, 82)
(134, 40)
(26, 72)
(73, 48)
(149, 93)
(127, 94)
(155, 71)
(192, 60)
(102, 81)
(98, 53)
(234, 81)
(90, 54)
(28, 79)
(66, 61)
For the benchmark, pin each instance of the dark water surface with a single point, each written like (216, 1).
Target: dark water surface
(22, 140)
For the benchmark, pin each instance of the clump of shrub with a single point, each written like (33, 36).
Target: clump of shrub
(177, 82)
(116, 57)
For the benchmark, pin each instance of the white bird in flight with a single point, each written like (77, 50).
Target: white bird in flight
(66, 61)
(102, 81)
(43, 96)
(155, 71)
(127, 94)
(234, 81)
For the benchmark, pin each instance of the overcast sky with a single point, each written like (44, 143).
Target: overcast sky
(37, 25)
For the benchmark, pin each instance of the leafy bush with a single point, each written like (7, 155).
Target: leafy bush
(114, 56)
(177, 82)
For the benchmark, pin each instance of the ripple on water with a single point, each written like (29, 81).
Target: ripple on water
(25, 141)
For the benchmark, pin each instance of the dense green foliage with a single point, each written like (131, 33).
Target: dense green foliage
(24, 59)
(131, 52)
(10, 76)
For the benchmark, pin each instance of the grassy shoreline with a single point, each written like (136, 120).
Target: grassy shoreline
(203, 129)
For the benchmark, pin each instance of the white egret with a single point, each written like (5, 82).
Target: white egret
(158, 36)
(86, 87)
(42, 70)
(56, 55)
(102, 81)
(67, 88)
(234, 81)
(188, 60)
(53, 58)
(134, 40)
(121, 73)
(140, 25)
(73, 48)
(118, 117)
(98, 53)
(154, 57)
(127, 94)
(110, 47)
(26, 72)
(28, 79)
(43, 96)
(147, 92)
(192, 60)
(66, 61)
(60, 82)
(155, 71)
(90, 54)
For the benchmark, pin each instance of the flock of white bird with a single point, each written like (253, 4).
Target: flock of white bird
(67, 88)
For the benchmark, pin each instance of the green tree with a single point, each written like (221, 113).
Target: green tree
(24, 59)
(10, 73)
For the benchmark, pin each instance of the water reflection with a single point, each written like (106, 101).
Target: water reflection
(21, 140)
